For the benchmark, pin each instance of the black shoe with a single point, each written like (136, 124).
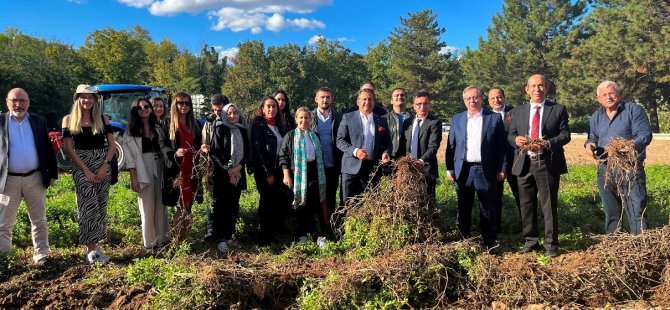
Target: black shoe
(552, 253)
(493, 248)
(528, 249)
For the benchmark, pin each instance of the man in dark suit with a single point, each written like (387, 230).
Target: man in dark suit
(27, 168)
(424, 135)
(539, 169)
(364, 139)
(325, 123)
(496, 99)
(476, 161)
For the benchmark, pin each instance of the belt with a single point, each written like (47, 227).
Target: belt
(537, 157)
(473, 163)
(22, 174)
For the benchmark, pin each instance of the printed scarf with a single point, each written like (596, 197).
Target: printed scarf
(300, 163)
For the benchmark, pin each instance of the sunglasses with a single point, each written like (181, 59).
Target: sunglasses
(184, 103)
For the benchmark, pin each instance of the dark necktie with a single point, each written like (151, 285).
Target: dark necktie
(535, 128)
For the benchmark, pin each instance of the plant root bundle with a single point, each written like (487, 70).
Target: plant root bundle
(535, 145)
(394, 213)
(621, 162)
(622, 267)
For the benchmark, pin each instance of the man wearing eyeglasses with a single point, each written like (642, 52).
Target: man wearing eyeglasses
(423, 134)
(627, 120)
(27, 168)
(476, 161)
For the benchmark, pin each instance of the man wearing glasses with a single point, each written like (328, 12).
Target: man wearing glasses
(423, 133)
(626, 120)
(27, 168)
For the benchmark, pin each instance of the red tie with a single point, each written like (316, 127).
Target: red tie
(535, 129)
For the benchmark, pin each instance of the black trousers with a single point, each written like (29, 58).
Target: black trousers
(355, 184)
(308, 215)
(474, 181)
(498, 204)
(225, 206)
(271, 206)
(332, 184)
(539, 183)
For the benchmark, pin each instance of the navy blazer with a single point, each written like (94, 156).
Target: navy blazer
(554, 129)
(46, 155)
(350, 137)
(493, 148)
(430, 137)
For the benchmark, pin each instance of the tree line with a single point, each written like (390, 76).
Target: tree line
(576, 44)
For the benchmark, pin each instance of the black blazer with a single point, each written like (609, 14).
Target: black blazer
(430, 137)
(171, 167)
(554, 129)
(265, 150)
(46, 155)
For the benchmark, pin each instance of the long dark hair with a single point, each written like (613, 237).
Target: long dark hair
(135, 125)
(279, 117)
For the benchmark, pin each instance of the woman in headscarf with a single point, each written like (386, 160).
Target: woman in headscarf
(225, 140)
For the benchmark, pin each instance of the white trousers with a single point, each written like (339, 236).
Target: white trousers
(30, 189)
(154, 215)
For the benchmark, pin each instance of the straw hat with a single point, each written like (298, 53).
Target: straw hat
(83, 89)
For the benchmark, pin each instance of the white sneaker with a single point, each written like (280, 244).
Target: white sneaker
(223, 247)
(321, 242)
(96, 256)
(303, 239)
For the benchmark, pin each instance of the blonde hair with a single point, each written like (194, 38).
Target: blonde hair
(76, 113)
(191, 122)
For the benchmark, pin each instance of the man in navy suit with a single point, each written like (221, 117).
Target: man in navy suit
(27, 168)
(424, 135)
(539, 170)
(476, 161)
(364, 139)
(496, 99)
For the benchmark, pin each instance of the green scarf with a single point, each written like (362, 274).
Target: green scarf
(300, 163)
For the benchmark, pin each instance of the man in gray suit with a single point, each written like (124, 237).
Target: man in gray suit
(364, 139)
(27, 168)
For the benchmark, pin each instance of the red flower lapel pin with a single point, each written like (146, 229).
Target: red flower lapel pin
(381, 129)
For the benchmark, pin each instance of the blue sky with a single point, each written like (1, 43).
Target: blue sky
(225, 23)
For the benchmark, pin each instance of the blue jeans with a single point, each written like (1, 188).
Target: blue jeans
(630, 196)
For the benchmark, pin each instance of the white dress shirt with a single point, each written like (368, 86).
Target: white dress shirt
(473, 150)
(530, 121)
(368, 124)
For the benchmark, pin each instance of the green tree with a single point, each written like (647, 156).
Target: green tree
(629, 43)
(528, 37)
(332, 65)
(211, 71)
(117, 56)
(286, 72)
(247, 78)
(418, 60)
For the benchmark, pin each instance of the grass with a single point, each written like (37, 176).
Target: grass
(580, 219)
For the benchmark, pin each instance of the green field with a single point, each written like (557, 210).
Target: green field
(581, 221)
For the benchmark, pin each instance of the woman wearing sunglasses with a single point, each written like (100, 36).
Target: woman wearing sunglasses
(145, 164)
(179, 143)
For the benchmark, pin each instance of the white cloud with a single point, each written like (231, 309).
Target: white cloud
(77, 1)
(450, 49)
(227, 52)
(137, 3)
(315, 38)
(240, 15)
(278, 23)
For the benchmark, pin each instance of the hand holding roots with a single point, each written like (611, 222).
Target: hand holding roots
(535, 145)
(621, 161)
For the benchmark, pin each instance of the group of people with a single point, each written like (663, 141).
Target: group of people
(299, 162)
